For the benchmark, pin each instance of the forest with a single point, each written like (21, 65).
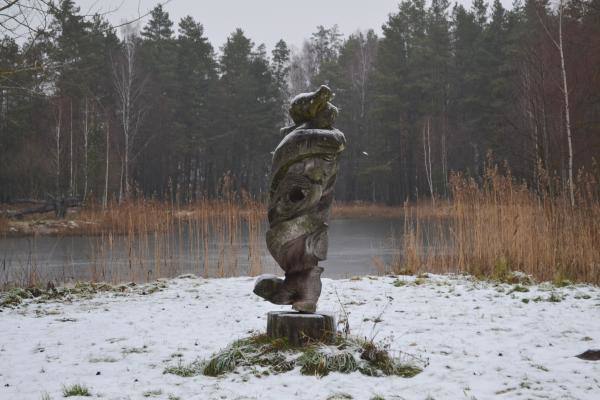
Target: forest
(161, 237)
(106, 113)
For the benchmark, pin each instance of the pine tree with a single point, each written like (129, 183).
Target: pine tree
(157, 170)
(196, 75)
(249, 98)
(280, 67)
(160, 26)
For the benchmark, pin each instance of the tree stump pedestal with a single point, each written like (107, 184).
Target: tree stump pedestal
(301, 328)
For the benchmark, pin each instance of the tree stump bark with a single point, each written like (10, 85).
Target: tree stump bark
(299, 328)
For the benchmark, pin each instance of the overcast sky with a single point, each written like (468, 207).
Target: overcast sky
(264, 21)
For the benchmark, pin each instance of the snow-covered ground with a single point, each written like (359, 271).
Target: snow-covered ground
(482, 342)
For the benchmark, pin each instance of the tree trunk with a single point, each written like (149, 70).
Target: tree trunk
(85, 151)
(427, 157)
(105, 199)
(57, 142)
(300, 329)
(71, 148)
(567, 111)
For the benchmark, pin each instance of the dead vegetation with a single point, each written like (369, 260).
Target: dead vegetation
(377, 210)
(490, 227)
(499, 226)
(141, 240)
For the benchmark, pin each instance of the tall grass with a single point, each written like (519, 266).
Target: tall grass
(144, 240)
(377, 210)
(205, 238)
(499, 225)
(3, 225)
(488, 228)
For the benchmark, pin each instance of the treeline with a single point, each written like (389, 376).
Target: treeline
(90, 110)
(445, 86)
(90, 113)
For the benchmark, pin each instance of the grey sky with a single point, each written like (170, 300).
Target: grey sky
(264, 21)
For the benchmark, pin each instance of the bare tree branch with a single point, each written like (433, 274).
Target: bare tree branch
(8, 5)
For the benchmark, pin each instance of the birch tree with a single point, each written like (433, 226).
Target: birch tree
(128, 87)
(105, 197)
(559, 45)
(427, 157)
(86, 140)
(57, 135)
(565, 90)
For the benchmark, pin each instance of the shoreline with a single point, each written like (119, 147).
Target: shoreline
(91, 221)
(85, 290)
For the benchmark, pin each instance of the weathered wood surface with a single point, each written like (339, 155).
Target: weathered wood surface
(301, 328)
(304, 170)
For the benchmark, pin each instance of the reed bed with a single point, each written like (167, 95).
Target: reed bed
(498, 225)
(342, 210)
(144, 240)
(489, 228)
(4, 225)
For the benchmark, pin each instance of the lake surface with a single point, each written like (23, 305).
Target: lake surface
(353, 245)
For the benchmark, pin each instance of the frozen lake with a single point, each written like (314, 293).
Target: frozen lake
(353, 245)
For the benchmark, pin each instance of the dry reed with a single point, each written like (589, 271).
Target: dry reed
(378, 210)
(489, 228)
(144, 240)
(500, 225)
(4, 225)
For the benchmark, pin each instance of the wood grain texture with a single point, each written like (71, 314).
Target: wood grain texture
(300, 328)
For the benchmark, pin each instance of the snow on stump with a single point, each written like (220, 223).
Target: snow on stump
(300, 328)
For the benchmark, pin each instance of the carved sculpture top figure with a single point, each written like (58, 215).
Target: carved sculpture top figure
(305, 165)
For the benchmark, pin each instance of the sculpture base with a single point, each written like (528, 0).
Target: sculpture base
(299, 328)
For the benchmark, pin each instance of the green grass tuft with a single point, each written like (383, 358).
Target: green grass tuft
(135, 350)
(518, 288)
(317, 363)
(258, 350)
(185, 370)
(14, 297)
(103, 359)
(399, 283)
(152, 393)
(555, 298)
(318, 359)
(340, 396)
(75, 390)
(223, 362)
